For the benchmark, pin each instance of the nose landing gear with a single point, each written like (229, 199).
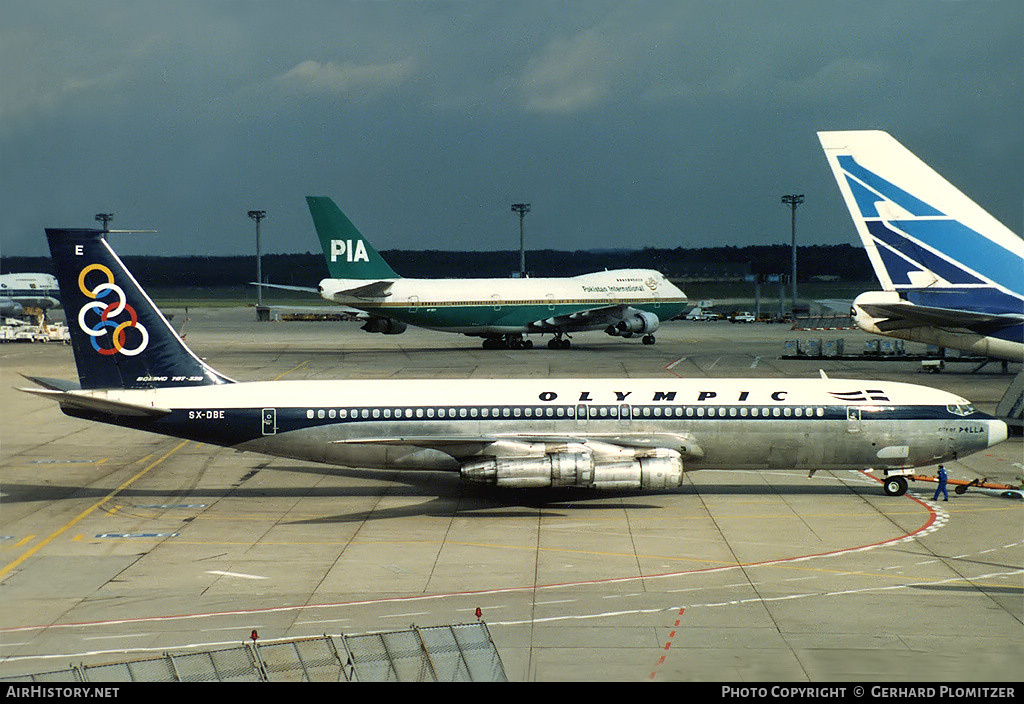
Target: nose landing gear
(895, 486)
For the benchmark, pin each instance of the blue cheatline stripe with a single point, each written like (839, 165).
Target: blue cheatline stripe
(972, 253)
(924, 258)
(242, 424)
(866, 200)
(978, 300)
(972, 250)
(896, 266)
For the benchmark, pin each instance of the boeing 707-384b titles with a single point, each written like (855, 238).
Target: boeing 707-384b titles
(623, 302)
(135, 371)
(951, 274)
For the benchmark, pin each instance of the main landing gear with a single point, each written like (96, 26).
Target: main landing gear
(507, 342)
(559, 342)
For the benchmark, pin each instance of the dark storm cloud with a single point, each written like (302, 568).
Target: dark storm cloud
(623, 124)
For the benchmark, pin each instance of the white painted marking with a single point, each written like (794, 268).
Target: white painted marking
(117, 637)
(326, 620)
(235, 574)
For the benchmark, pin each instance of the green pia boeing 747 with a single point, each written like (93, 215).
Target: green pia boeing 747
(622, 302)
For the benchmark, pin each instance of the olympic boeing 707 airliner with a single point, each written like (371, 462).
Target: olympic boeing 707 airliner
(135, 371)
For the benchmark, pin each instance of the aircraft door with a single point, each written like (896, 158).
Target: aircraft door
(852, 419)
(269, 421)
(581, 415)
(414, 302)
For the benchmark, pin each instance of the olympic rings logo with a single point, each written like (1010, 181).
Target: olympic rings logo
(107, 312)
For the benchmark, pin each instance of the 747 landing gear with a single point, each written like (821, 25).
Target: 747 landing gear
(514, 341)
(559, 342)
(647, 339)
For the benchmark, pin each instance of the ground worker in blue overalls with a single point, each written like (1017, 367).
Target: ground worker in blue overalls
(942, 485)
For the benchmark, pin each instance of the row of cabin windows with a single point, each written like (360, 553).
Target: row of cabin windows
(596, 412)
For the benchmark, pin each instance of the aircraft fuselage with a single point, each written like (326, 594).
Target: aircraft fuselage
(504, 306)
(711, 423)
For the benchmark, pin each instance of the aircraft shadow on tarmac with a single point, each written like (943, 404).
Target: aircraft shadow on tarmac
(968, 587)
(445, 493)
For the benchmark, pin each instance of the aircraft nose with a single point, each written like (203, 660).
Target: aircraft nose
(997, 431)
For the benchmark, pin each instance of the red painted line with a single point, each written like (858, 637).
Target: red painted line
(668, 646)
(932, 516)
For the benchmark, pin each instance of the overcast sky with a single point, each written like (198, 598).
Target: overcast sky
(623, 124)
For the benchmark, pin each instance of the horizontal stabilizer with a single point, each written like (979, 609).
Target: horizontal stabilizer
(283, 287)
(378, 289)
(55, 384)
(907, 315)
(99, 405)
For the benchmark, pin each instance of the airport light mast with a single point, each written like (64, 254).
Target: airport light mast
(793, 201)
(105, 218)
(522, 209)
(258, 215)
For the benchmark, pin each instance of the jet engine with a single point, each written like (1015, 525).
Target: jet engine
(635, 322)
(656, 468)
(384, 325)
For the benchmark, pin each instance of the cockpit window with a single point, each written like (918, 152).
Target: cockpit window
(961, 409)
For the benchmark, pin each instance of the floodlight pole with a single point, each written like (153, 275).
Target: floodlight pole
(105, 218)
(258, 215)
(793, 201)
(522, 209)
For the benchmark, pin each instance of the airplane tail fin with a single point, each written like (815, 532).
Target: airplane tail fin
(119, 337)
(920, 231)
(349, 255)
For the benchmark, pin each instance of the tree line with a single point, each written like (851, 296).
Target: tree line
(843, 262)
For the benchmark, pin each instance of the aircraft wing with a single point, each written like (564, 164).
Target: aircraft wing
(604, 315)
(902, 315)
(462, 446)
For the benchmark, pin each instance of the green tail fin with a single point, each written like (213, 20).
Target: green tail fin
(348, 254)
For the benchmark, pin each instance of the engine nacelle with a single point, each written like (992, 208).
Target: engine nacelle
(562, 469)
(635, 322)
(657, 468)
(384, 325)
(658, 472)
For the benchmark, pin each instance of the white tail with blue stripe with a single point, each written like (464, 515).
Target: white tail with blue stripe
(951, 274)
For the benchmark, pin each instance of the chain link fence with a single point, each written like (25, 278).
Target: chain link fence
(456, 653)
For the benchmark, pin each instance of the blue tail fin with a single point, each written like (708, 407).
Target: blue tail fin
(120, 338)
(921, 232)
